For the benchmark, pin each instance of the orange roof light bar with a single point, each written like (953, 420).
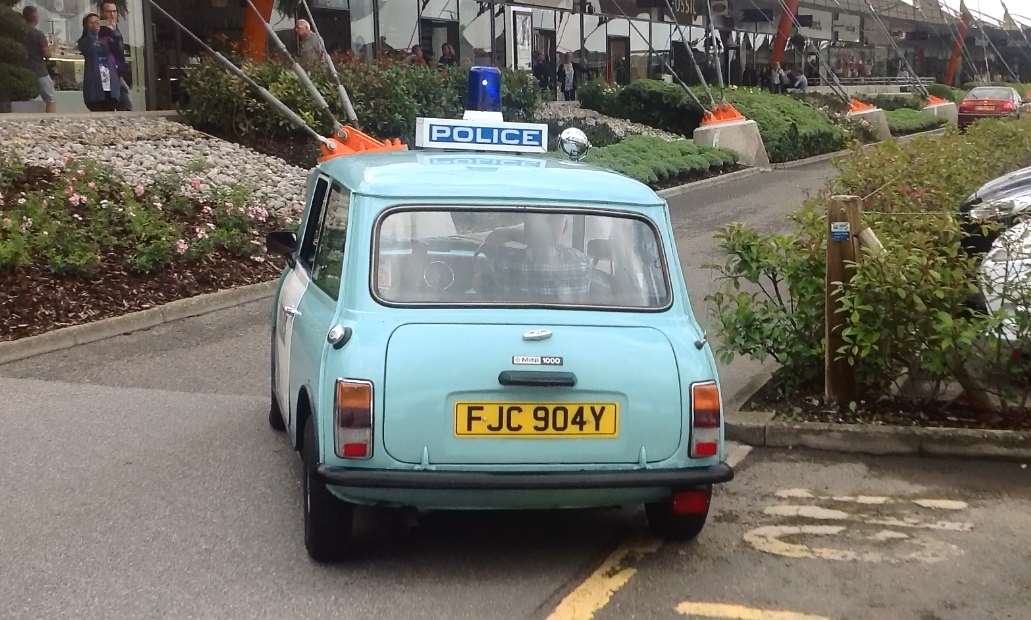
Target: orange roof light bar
(351, 141)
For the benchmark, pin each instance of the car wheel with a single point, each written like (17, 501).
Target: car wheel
(664, 522)
(327, 520)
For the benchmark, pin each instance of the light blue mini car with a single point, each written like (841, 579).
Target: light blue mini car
(490, 331)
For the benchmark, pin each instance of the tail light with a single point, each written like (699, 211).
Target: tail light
(705, 420)
(966, 106)
(352, 423)
(1007, 106)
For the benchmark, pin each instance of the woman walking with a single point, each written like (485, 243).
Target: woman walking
(101, 87)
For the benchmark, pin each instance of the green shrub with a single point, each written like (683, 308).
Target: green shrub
(658, 104)
(387, 97)
(600, 96)
(658, 163)
(889, 102)
(16, 82)
(946, 92)
(905, 121)
(906, 313)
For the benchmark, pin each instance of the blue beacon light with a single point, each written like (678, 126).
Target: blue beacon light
(484, 89)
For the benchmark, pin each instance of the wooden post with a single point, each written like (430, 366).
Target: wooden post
(839, 377)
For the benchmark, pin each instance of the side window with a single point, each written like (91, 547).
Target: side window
(313, 227)
(329, 255)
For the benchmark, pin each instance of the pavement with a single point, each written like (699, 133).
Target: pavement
(139, 478)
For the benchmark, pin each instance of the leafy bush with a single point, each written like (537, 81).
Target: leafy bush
(905, 121)
(890, 102)
(946, 92)
(71, 219)
(387, 97)
(906, 310)
(790, 127)
(656, 162)
(16, 82)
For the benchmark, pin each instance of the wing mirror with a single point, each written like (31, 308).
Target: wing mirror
(282, 242)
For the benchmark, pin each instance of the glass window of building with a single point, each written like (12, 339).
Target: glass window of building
(60, 21)
(398, 27)
(639, 49)
(474, 33)
(660, 43)
(594, 57)
(333, 20)
(363, 28)
(439, 28)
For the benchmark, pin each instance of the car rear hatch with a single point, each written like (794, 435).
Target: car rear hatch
(446, 399)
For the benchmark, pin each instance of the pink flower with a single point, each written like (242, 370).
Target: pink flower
(91, 185)
(81, 172)
(26, 224)
(201, 233)
(195, 183)
(7, 222)
(138, 189)
(257, 213)
(181, 246)
(206, 210)
(74, 199)
(68, 191)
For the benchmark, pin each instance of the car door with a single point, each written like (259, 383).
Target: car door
(294, 284)
(323, 265)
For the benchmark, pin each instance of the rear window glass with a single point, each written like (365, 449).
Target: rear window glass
(519, 257)
(990, 93)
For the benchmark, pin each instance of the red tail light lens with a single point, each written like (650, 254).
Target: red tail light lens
(353, 419)
(705, 420)
(1007, 106)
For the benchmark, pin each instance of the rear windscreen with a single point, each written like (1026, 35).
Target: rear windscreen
(519, 257)
(990, 93)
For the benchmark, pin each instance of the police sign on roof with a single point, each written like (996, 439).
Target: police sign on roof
(481, 135)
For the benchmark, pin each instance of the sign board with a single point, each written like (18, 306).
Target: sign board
(840, 231)
(475, 135)
(848, 27)
(822, 25)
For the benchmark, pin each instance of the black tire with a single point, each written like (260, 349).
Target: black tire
(327, 520)
(662, 521)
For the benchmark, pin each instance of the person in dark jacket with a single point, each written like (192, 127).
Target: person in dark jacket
(101, 86)
(116, 42)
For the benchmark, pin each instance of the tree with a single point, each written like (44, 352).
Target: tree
(16, 82)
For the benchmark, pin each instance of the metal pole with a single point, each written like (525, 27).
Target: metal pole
(341, 91)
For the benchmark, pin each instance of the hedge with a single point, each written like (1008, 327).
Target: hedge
(890, 101)
(659, 163)
(946, 92)
(387, 98)
(790, 127)
(905, 121)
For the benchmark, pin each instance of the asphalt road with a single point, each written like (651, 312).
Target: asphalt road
(138, 478)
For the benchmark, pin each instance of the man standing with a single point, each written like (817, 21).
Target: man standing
(311, 51)
(38, 51)
(110, 32)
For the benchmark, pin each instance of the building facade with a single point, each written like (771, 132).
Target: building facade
(618, 40)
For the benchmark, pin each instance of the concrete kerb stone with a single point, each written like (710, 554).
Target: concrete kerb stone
(864, 439)
(676, 190)
(103, 329)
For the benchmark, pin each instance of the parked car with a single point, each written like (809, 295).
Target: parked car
(468, 330)
(990, 102)
(995, 204)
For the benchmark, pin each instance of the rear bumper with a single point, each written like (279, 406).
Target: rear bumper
(460, 480)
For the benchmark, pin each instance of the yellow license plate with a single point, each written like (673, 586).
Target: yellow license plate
(534, 419)
(984, 108)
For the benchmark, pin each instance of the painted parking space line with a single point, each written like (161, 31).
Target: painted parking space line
(739, 612)
(595, 592)
(866, 528)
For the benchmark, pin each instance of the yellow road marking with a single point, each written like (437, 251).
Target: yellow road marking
(739, 612)
(595, 592)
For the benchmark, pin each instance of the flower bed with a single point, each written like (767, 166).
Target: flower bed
(790, 127)
(911, 336)
(659, 163)
(78, 244)
(905, 121)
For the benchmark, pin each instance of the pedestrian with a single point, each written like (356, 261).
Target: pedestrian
(101, 88)
(539, 69)
(777, 78)
(112, 37)
(415, 57)
(797, 82)
(447, 56)
(37, 51)
(567, 78)
(311, 50)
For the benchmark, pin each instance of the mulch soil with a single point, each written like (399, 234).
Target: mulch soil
(809, 406)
